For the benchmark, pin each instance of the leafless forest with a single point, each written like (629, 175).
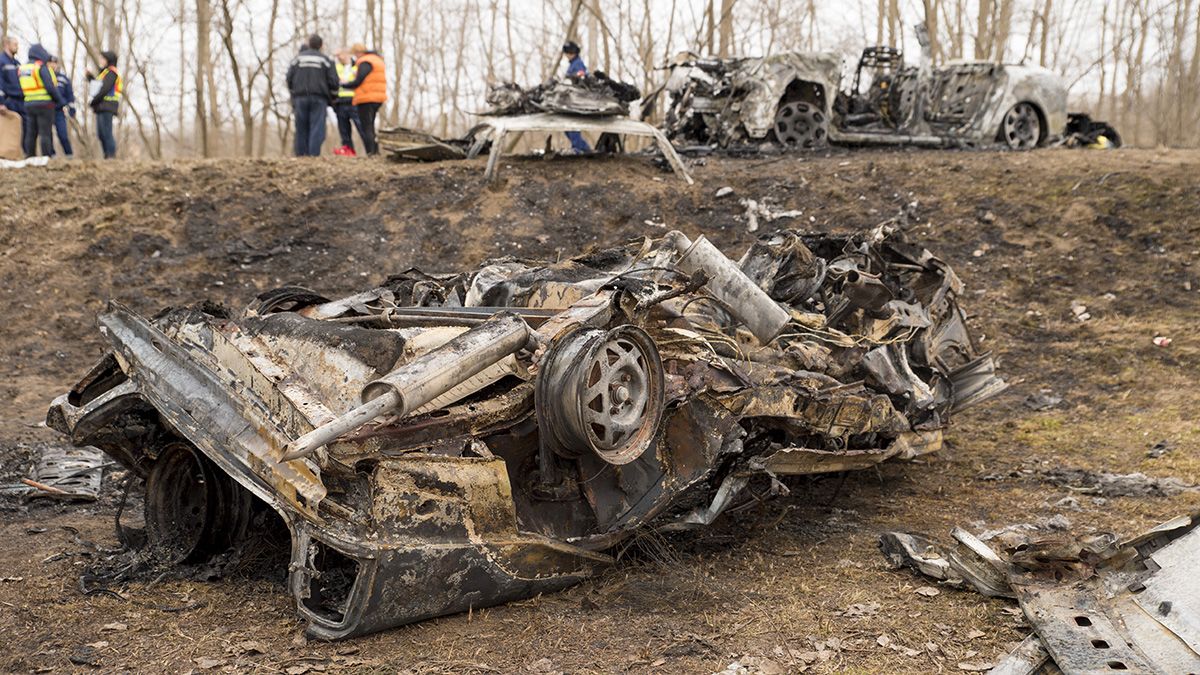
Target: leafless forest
(205, 77)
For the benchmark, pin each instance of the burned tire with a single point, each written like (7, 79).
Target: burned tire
(284, 299)
(194, 511)
(800, 124)
(1022, 127)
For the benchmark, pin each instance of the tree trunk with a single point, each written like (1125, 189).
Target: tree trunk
(931, 27)
(725, 44)
(203, 59)
(983, 31)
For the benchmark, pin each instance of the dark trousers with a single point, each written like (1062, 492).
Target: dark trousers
(578, 144)
(310, 124)
(104, 130)
(347, 119)
(366, 118)
(60, 127)
(39, 131)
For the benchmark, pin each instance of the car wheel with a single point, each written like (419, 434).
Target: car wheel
(800, 124)
(1022, 128)
(193, 510)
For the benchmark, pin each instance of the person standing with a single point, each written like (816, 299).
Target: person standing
(11, 96)
(343, 107)
(67, 107)
(312, 81)
(370, 92)
(106, 102)
(39, 88)
(575, 69)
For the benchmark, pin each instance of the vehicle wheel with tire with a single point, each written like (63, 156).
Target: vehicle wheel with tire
(1022, 127)
(800, 124)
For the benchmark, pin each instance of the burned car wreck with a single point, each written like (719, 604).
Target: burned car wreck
(447, 442)
(595, 94)
(799, 100)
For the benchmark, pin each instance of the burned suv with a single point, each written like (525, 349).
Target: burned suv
(797, 100)
(449, 441)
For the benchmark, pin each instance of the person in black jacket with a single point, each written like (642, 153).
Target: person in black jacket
(11, 97)
(39, 87)
(313, 82)
(106, 102)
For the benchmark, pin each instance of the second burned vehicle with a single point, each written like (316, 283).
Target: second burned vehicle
(447, 442)
(800, 100)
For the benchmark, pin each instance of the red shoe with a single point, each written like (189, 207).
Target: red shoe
(349, 151)
(340, 152)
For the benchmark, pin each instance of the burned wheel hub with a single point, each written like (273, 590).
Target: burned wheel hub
(1022, 127)
(602, 392)
(193, 510)
(800, 124)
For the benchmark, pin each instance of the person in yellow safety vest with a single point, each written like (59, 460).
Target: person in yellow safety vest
(343, 107)
(106, 102)
(39, 85)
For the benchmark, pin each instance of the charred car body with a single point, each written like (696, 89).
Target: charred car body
(797, 100)
(445, 442)
(595, 94)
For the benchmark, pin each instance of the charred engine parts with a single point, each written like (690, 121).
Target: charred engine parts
(447, 442)
(424, 379)
(595, 94)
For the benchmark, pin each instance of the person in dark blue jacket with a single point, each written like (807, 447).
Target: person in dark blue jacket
(67, 107)
(39, 87)
(10, 83)
(575, 69)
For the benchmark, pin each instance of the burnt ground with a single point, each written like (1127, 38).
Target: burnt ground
(1118, 232)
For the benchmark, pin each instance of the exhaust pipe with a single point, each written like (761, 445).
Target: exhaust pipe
(423, 379)
(750, 304)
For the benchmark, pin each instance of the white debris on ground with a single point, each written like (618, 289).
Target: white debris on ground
(756, 209)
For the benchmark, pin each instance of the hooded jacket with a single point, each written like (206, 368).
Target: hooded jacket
(39, 55)
(10, 82)
(312, 74)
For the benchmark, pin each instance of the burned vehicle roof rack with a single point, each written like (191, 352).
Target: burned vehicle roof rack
(453, 441)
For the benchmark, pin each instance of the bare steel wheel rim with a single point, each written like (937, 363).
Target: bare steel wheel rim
(603, 393)
(1022, 127)
(800, 124)
(616, 393)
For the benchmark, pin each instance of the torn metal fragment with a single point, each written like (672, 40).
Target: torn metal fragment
(969, 560)
(1029, 658)
(70, 473)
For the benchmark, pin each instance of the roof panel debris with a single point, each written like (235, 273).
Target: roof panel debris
(453, 441)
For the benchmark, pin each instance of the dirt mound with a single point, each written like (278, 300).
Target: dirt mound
(1030, 234)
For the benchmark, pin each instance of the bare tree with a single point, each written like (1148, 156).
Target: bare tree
(203, 63)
